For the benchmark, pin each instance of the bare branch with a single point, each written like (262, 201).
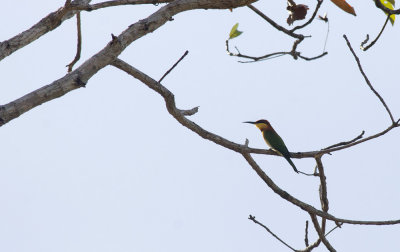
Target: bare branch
(306, 207)
(170, 103)
(253, 218)
(373, 42)
(321, 234)
(79, 42)
(367, 80)
(253, 59)
(176, 63)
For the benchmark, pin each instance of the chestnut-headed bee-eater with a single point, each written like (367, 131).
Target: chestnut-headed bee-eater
(273, 140)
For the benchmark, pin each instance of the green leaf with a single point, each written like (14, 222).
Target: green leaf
(390, 5)
(234, 32)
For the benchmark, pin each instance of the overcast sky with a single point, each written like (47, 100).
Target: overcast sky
(106, 168)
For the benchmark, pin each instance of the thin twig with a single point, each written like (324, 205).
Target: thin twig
(268, 56)
(321, 234)
(373, 42)
(79, 42)
(253, 218)
(346, 142)
(367, 80)
(176, 63)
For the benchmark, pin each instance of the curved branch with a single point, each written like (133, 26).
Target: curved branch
(242, 149)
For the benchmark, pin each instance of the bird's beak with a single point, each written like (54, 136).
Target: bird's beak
(250, 122)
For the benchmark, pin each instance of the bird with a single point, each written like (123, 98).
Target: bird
(273, 140)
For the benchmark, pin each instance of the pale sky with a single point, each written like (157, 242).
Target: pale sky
(106, 168)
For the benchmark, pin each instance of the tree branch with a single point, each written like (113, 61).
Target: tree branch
(171, 107)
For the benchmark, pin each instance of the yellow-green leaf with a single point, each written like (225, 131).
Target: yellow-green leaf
(234, 31)
(390, 5)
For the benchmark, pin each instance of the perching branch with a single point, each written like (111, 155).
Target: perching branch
(176, 113)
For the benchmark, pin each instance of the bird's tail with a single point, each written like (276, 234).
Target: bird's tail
(292, 164)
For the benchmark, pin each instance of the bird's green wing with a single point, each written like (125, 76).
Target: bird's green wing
(275, 142)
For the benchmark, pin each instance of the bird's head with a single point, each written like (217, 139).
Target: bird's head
(261, 124)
